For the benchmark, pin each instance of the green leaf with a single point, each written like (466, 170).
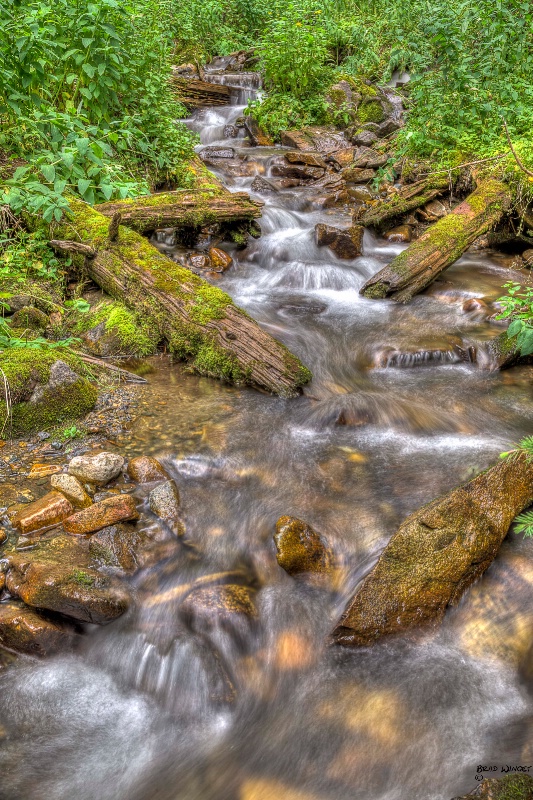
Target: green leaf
(514, 328)
(83, 186)
(89, 70)
(49, 172)
(107, 190)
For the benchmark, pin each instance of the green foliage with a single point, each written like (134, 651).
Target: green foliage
(73, 432)
(524, 524)
(27, 255)
(85, 101)
(517, 306)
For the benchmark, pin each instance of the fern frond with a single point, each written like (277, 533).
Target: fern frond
(524, 524)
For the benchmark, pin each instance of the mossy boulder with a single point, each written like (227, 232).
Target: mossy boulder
(46, 387)
(510, 787)
(436, 554)
(29, 317)
(113, 330)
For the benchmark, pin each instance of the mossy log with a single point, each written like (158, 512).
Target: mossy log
(436, 554)
(182, 209)
(442, 244)
(199, 321)
(410, 197)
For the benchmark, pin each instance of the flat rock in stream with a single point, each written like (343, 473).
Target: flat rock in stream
(27, 631)
(436, 554)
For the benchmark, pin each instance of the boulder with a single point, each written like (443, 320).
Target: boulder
(72, 489)
(344, 243)
(99, 469)
(145, 469)
(25, 630)
(342, 158)
(296, 140)
(435, 209)
(436, 554)
(510, 787)
(388, 127)
(220, 260)
(358, 175)
(365, 157)
(43, 513)
(209, 153)
(363, 137)
(261, 186)
(198, 261)
(29, 317)
(164, 501)
(300, 548)
(402, 233)
(119, 508)
(257, 136)
(300, 171)
(310, 158)
(527, 255)
(55, 576)
(119, 546)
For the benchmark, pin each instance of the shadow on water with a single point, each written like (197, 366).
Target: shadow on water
(160, 707)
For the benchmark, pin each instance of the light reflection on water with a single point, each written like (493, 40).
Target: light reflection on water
(150, 710)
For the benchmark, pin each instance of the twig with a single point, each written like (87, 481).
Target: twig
(7, 395)
(131, 377)
(513, 151)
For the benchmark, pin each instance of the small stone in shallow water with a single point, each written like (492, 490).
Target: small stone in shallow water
(220, 260)
(43, 513)
(73, 490)
(300, 548)
(164, 501)
(228, 606)
(101, 468)
(107, 512)
(145, 469)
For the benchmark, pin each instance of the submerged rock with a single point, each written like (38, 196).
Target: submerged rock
(510, 787)
(43, 513)
(118, 508)
(27, 631)
(72, 489)
(300, 548)
(436, 554)
(99, 469)
(145, 469)
(227, 606)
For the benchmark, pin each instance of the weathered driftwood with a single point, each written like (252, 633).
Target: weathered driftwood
(73, 247)
(195, 93)
(442, 244)
(182, 209)
(199, 321)
(436, 554)
(129, 377)
(410, 197)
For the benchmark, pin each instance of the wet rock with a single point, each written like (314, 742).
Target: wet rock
(363, 138)
(361, 193)
(256, 134)
(27, 631)
(436, 209)
(119, 508)
(344, 243)
(72, 489)
(231, 132)
(402, 233)
(436, 554)
(118, 546)
(475, 305)
(310, 158)
(220, 260)
(367, 158)
(300, 548)
(99, 469)
(43, 470)
(198, 261)
(358, 175)
(54, 577)
(209, 153)
(164, 501)
(269, 789)
(228, 606)
(297, 140)
(43, 513)
(507, 788)
(342, 158)
(145, 469)
(527, 256)
(261, 186)
(29, 317)
(300, 171)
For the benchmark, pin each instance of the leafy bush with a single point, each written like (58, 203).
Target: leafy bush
(517, 306)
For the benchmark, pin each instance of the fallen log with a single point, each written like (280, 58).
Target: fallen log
(199, 321)
(182, 209)
(410, 197)
(436, 554)
(196, 93)
(442, 244)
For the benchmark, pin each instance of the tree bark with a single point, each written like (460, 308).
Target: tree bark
(195, 93)
(436, 554)
(442, 244)
(414, 195)
(199, 321)
(182, 209)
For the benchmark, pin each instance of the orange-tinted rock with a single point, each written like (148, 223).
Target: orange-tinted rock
(228, 606)
(26, 631)
(357, 175)
(43, 470)
(305, 157)
(72, 489)
(145, 469)
(256, 134)
(402, 233)
(344, 243)
(297, 140)
(344, 157)
(220, 260)
(107, 512)
(43, 513)
(474, 305)
(300, 548)
(120, 546)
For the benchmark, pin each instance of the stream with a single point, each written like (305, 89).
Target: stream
(262, 708)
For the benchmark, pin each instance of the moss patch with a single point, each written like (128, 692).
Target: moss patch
(125, 332)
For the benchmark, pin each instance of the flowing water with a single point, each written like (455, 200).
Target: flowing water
(263, 709)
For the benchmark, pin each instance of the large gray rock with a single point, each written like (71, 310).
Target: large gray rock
(99, 469)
